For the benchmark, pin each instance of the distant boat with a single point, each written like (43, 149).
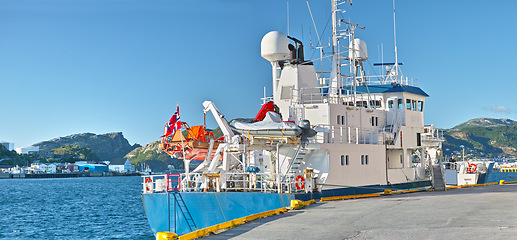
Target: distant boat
(146, 170)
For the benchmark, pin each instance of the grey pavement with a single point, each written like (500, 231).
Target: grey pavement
(488, 212)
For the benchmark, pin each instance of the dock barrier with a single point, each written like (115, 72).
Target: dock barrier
(506, 169)
(212, 229)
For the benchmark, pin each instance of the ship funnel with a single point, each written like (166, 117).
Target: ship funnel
(275, 46)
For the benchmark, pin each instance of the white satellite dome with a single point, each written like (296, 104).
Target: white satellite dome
(359, 48)
(274, 46)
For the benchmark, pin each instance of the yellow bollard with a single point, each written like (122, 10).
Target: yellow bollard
(387, 191)
(166, 236)
(296, 204)
(501, 182)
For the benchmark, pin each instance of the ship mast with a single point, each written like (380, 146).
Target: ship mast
(336, 63)
(396, 66)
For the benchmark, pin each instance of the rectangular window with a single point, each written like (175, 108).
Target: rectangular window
(408, 104)
(399, 101)
(342, 160)
(418, 139)
(338, 119)
(362, 104)
(362, 159)
(366, 159)
(376, 121)
(414, 104)
(343, 120)
(287, 92)
(390, 103)
(420, 106)
(375, 103)
(373, 121)
(346, 159)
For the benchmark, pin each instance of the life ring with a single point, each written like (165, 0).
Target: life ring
(148, 184)
(472, 167)
(299, 182)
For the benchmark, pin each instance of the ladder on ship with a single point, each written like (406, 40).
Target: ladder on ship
(298, 158)
(183, 210)
(294, 166)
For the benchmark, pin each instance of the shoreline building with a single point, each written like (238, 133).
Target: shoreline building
(121, 165)
(8, 145)
(27, 150)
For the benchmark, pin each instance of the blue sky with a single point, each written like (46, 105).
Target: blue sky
(73, 66)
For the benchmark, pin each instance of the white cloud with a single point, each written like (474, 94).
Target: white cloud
(499, 109)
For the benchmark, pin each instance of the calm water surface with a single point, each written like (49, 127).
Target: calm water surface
(73, 208)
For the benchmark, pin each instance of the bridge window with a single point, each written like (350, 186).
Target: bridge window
(420, 106)
(408, 104)
(390, 103)
(375, 103)
(399, 101)
(362, 104)
(414, 104)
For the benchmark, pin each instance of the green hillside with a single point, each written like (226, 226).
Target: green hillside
(485, 138)
(156, 159)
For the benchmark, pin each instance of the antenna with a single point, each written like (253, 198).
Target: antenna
(288, 18)
(395, 41)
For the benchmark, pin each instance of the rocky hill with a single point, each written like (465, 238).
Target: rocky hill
(483, 137)
(153, 156)
(105, 146)
(485, 122)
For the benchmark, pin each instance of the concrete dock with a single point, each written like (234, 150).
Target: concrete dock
(488, 212)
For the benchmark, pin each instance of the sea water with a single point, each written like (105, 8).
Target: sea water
(73, 208)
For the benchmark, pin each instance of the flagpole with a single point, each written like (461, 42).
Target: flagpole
(186, 162)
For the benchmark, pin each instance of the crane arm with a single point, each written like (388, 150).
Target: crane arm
(219, 118)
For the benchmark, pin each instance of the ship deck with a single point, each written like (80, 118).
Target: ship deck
(487, 212)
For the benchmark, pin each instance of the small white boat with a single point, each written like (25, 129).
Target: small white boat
(272, 125)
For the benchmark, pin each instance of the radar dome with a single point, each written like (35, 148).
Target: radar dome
(274, 46)
(358, 50)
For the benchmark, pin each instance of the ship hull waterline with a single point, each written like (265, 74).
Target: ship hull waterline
(184, 212)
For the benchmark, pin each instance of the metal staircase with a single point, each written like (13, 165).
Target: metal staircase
(178, 200)
(437, 178)
(295, 166)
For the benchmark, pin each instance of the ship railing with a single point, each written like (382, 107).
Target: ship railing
(194, 182)
(154, 183)
(382, 80)
(347, 135)
(247, 181)
(324, 78)
(235, 181)
(347, 97)
(432, 133)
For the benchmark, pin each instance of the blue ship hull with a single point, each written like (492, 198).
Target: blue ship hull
(184, 212)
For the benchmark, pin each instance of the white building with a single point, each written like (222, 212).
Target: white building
(8, 145)
(27, 150)
(121, 165)
(43, 168)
